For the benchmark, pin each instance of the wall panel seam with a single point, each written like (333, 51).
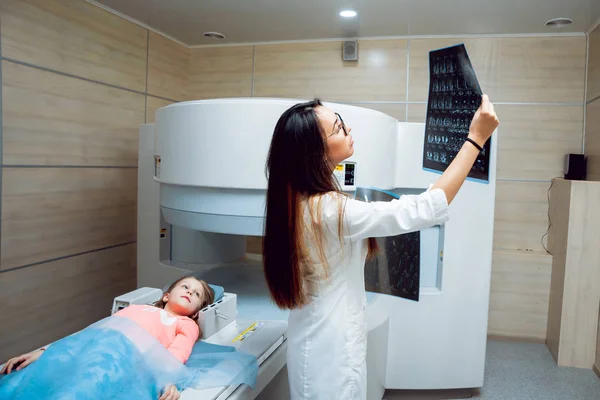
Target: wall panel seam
(505, 103)
(147, 67)
(592, 100)
(65, 166)
(67, 256)
(585, 92)
(253, 70)
(407, 77)
(38, 67)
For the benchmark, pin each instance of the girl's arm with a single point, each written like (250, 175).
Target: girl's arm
(187, 334)
(170, 393)
(20, 362)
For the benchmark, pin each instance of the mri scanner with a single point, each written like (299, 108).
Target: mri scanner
(201, 192)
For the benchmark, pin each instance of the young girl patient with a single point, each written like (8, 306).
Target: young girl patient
(171, 321)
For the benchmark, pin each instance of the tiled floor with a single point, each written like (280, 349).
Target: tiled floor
(521, 371)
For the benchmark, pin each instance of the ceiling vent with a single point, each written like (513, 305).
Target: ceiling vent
(214, 35)
(559, 22)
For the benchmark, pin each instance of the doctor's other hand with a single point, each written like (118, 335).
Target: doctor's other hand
(20, 362)
(484, 122)
(170, 393)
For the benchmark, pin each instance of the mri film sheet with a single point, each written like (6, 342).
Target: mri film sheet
(454, 97)
(396, 268)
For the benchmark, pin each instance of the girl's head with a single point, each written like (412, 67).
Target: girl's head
(186, 297)
(309, 141)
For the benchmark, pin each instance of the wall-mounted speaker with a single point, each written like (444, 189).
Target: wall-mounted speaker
(575, 167)
(350, 50)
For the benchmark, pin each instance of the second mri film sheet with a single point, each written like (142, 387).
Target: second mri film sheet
(396, 268)
(454, 97)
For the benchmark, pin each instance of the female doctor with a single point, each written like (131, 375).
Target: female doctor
(317, 240)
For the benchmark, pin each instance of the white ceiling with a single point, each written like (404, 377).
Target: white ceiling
(251, 21)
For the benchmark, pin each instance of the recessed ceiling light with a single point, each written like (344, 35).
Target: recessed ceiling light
(348, 14)
(559, 22)
(214, 35)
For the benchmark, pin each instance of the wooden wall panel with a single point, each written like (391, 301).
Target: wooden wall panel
(217, 72)
(541, 70)
(60, 118)
(521, 215)
(153, 104)
(484, 54)
(520, 286)
(532, 140)
(417, 112)
(51, 119)
(592, 140)
(395, 110)
(48, 301)
(593, 74)
(168, 64)
(308, 70)
(537, 70)
(75, 37)
(56, 212)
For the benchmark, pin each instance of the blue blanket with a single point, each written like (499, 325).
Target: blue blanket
(116, 359)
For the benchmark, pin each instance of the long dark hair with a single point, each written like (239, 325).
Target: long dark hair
(297, 168)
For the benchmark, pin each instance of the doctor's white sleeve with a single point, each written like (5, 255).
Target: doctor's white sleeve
(408, 214)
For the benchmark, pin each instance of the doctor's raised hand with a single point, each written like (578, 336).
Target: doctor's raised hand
(484, 122)
(482, 126)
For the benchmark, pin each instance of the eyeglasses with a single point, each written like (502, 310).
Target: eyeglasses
(342, 125)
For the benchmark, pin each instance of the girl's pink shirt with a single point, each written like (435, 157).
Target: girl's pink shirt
(178, 334)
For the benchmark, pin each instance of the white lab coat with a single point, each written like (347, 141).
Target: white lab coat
(326, 354)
